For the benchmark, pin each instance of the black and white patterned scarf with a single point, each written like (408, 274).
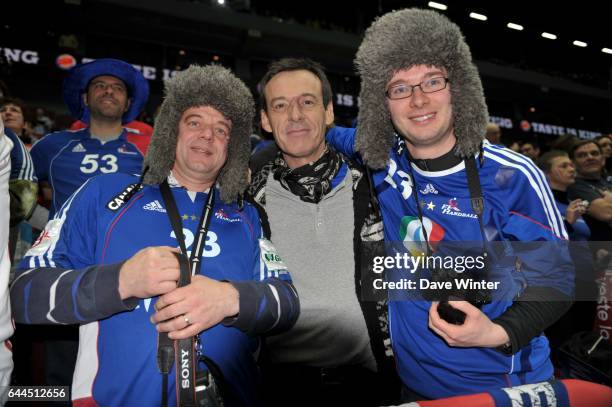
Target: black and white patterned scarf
(310, 182)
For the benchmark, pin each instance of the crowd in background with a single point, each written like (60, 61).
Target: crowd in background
(31, 123)
(579, 173)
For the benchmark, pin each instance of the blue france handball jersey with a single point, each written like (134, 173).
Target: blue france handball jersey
(116, 364)
(66, 159)
(519, 206)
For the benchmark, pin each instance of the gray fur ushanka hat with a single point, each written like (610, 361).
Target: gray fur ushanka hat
(400, 40)
(220, 89)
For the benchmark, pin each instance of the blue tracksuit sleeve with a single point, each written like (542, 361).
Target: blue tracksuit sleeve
(21, 161)
(269, 306)
(342, 139)
(50, 295)
(534, 217)
(269, 303)
(55, 283)
(544, 262)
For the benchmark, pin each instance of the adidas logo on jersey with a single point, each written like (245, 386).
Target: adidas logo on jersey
(429, 189)
(78, 148)
(154, 206)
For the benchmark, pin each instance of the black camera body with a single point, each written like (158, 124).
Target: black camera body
(476, 297)
(208, 393)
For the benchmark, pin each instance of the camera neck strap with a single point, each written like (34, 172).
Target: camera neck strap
(476, 199)
(177, 225)
(183, 350)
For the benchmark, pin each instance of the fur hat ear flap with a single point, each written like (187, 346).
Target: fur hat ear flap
(403, 39)
(220, 89)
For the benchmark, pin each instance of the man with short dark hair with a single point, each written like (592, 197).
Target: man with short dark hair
(530, 150)
(590, 185)
(14, 114)
(320, 212)
(561, 173)
(108, 260)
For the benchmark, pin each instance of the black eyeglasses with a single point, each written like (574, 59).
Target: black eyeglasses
(403, 90)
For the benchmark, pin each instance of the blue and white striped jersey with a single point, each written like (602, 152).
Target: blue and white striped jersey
(21, 162)
(71, 276)
(519, 206)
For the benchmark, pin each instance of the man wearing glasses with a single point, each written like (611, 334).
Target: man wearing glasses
(421, 127)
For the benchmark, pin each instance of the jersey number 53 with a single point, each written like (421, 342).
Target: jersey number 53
(91, 163)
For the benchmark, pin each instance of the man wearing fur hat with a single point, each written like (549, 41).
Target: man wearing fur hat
(421, 125)
(107, 260)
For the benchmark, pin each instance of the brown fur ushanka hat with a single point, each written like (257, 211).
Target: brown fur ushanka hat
(212, 86)
(400, 40)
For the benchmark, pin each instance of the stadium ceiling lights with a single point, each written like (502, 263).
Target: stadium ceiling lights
(477, 16)
(438, 6)
(518, 27)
